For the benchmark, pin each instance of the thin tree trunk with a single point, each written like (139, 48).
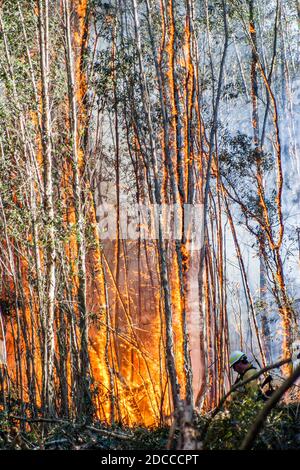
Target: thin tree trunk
(48, 368)
(84, 399)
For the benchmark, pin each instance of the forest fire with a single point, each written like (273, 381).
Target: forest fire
(149, 221)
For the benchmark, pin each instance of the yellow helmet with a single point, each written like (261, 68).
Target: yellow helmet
(236, 356)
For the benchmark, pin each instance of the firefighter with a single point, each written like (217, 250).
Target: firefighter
(259, 390)
(240, 364)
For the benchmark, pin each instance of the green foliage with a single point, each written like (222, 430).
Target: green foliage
(240, 163)
(238, 154)
(17, 50)
(281, 430)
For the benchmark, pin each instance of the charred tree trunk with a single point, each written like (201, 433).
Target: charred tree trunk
(84, 399)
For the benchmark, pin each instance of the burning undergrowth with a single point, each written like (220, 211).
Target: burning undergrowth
(226, 431)
(39, 434)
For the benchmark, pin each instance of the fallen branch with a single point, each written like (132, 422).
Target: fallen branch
(39, 420)
(57, 442)
(110, 433)
(75, 425)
